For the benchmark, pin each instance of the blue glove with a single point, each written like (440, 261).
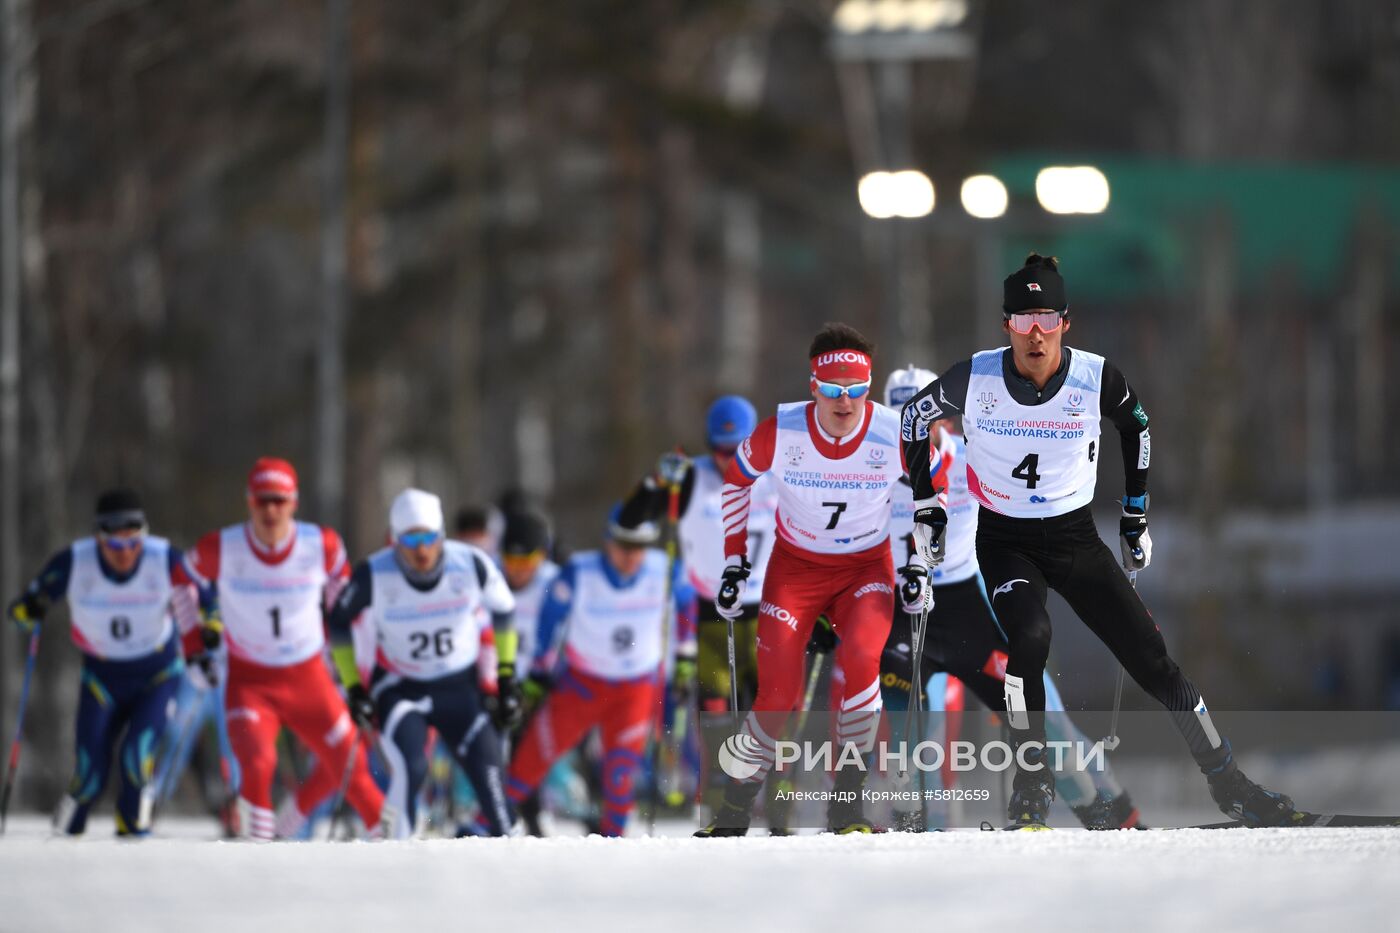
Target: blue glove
(1135, 543)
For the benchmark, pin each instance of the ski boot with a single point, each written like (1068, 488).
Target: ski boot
(67, 818)
(1032, 792)
(228, 817)
(291, 823)
(847, 816)
(778, 809)
(1106, 812)
(734, 813)
(1240, 798)
(529, 810)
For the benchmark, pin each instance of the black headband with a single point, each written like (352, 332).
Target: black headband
(121, 520)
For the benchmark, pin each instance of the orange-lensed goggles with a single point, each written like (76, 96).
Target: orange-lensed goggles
(522, 562)
(1048, 321)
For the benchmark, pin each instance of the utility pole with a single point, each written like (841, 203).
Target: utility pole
(16, 109)
(876, 48)
(330, 354)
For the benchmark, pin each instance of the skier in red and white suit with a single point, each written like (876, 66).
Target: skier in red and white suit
(835, 460)
(273, 577)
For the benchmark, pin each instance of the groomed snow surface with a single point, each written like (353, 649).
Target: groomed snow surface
(1300, 879)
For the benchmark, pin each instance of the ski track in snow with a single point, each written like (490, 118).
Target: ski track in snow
(1062, 880)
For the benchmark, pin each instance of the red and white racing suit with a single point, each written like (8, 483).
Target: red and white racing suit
(271, 602)
(832, 557)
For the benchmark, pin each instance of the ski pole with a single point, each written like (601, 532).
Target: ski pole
(177, 751)
(338, 803)
(673, 514)
(916, 704)
(1111, 741)
(733, 678)
(186, 733)
(808, 695)
(232, 774)
(19, 725)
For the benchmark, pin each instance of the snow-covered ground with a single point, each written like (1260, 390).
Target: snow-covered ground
(1059, 880)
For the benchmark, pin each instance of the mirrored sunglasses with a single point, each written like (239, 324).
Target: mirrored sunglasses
(122, 542)
(413, 539)
(832, 390)
(1047, 321)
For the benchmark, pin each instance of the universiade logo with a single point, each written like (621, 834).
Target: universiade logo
(740, 756)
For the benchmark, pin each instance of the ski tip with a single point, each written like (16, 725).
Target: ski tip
(1302, 819)
(1340, 820)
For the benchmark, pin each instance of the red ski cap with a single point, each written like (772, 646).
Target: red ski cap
(272, 476)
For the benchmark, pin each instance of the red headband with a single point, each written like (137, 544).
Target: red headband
(841, 364)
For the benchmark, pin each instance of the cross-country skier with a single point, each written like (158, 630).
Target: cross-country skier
(273, 577)
(834, 459)
(1031, 416)
(127, 595)
(428, 602)
(962, 637)
(529, 572)
(525, 546)
(613, 603)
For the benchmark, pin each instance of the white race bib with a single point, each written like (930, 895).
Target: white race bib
(120, 621)
(529, 600)
(272, 612)
(430, 634)
(960, 539)
(832, 506)
(615, 632)
(1032, 461)
(702, 531)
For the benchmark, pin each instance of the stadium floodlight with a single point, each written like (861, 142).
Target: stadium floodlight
(1072, 189)
(907, 193)
(858, 16)
(889, 15)
(876, 195)
(984, 196)
(916, 193)
(934, 14)
(854, 16)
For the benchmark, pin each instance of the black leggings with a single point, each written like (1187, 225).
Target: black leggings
(961, 638)
(453, 706)
(1021, 558)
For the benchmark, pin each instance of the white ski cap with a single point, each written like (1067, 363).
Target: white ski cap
(904, 384)
(414, 508)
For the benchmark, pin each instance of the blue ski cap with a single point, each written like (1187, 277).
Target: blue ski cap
(731, 419)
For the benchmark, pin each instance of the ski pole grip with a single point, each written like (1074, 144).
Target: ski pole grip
(728, 594)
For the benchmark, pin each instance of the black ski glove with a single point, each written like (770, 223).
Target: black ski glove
(361, 706)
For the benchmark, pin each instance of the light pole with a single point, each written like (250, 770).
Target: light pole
(875, 46)
(330, 353)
